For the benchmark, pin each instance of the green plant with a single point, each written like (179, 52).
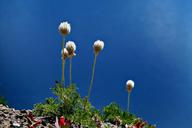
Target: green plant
(64, 54)
(111, 112)
(68, 99)
(63, 63)
(149, 126)
(97, 47)
(83, 117)
(68, 104)
(71, 47)
(2, 100)
(128, 118)
(80, 111)
(64, 29)
(129, 86)
(49, 108)
(73, 107)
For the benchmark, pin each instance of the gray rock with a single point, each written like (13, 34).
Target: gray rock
(11, 118)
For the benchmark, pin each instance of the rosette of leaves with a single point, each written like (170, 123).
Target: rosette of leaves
(63, 105)
(49, 108)
(83, 117)
(128, 118)
(68, 99)
(68, 104)
(111, 112)
(78, 110)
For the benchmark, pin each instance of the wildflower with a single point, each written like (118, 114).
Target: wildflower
(71, 48)
(129, 86)
(97, 47)
(64, 53)
(64, 28)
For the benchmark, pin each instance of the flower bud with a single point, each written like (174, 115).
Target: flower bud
(129, 85)
(98, 46)
(64, 28)
(71, 47)
(64, 53)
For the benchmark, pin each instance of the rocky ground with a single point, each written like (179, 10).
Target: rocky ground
(11, 118)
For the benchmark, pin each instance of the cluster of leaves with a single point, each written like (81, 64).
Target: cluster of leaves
(80, 111)
(2, 100)
(113, 114)
(49, 108)
(68, 104)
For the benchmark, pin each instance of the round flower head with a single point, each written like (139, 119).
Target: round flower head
(129, 85)
(98, 46)
(64, 28)
(71, 47)
(64, 53)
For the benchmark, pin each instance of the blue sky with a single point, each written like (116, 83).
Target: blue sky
(147, 41)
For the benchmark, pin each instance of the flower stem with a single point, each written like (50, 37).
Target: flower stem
(63, 64)
(93, 72)
(63, 42)
(63, 74)
(128, 102)
(70, 70)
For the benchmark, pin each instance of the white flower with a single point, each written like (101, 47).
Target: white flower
(98, 46)
(130, 85)
(64, 53)
(71, 48)
(64, 28)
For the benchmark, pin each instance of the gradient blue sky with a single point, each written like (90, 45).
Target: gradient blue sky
(149, 41)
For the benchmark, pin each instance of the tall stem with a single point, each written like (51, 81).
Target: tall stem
(63, 74)
(63, 64)
(93, 72)
(70, 70)
(128, 102)
(63, 42)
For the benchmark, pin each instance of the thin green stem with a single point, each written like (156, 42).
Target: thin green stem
(128, 102)
(63, 42)
(63, 64)
(63, 74)
(93, 72)
(70, 70)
